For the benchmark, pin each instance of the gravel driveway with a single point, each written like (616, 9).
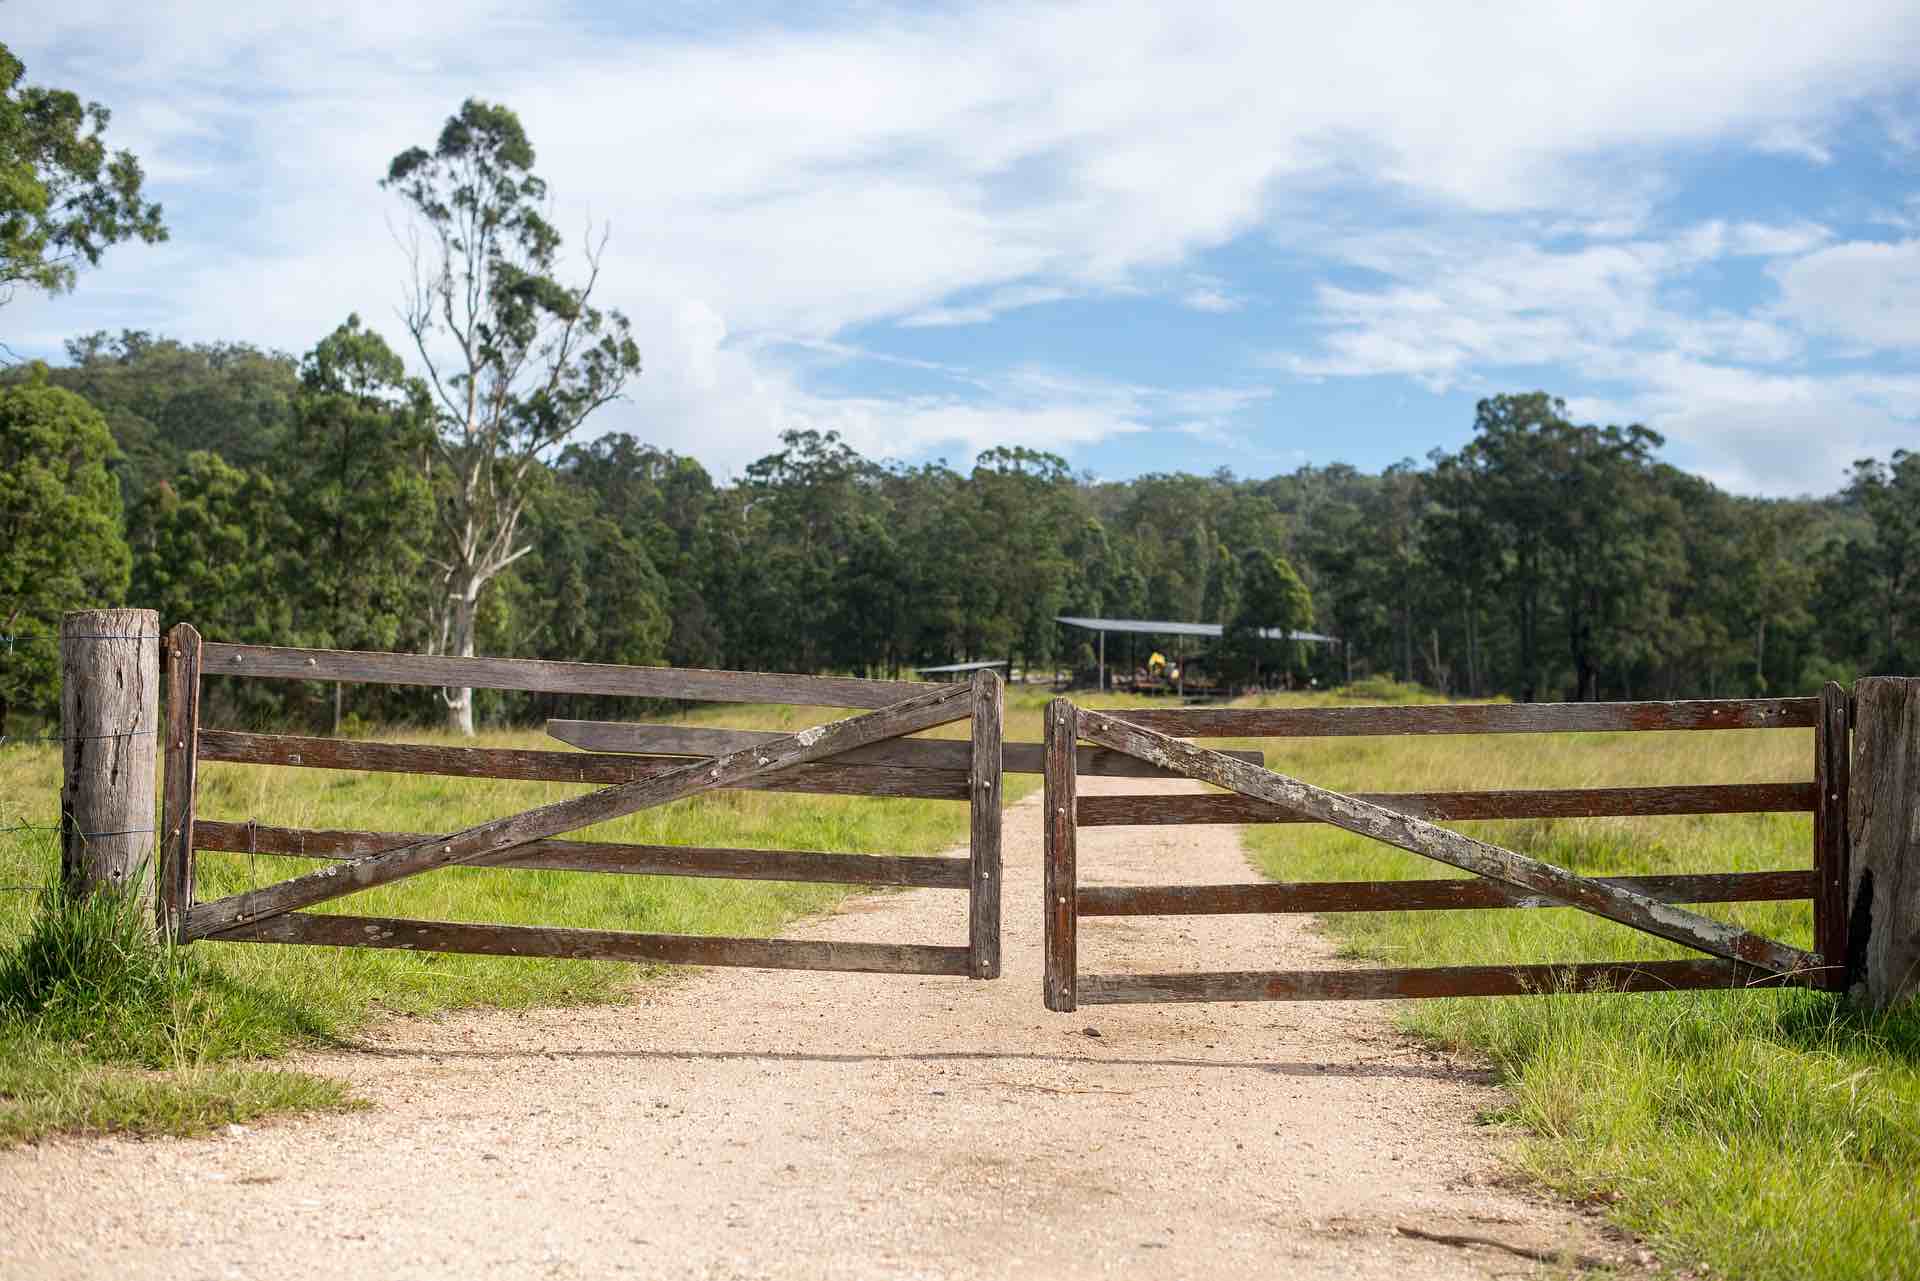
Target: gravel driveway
(739, 1123)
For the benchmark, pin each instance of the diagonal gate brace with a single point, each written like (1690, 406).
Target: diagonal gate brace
(949, 703)
(1626, 907)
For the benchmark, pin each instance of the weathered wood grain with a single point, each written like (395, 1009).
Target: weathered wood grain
(1832, 748)
(1663, 920)
(109, 730)
(930, 872)
(940, 706)
(174, 876)
(924, 753)
(1567, 802)
(603, 945)
(563, 767)
(1059, 877)
(1454, 980)
(1422, 896)
(1474, 718)
(547, 677)
(983, 829)
(1883, 912)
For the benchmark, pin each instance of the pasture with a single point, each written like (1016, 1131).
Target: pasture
(1761, 1134)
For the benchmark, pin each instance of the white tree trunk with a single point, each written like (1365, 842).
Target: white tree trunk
(460, 641)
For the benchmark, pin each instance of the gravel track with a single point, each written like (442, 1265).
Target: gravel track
(748, 1124)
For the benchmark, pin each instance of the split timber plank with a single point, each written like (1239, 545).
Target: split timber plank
(924, 753)
(984, 824)
(1662, 920)
(941, 706)
(563, 767)
(1571, 802)
(1060, 872)
(174, 874)
(603, 856)
(548, 677)
(1456, 980)
(1423, 896)
(1474, 718)
(601, 945)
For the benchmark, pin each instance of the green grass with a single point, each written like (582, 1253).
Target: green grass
(1761, 1134)
(172, 1041)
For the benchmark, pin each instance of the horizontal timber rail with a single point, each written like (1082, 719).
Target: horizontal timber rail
(922, 753)
(1474, 718)
(563, 767)
(547, 677)
(604, 945)
(604, 856)
(1424, 896)
(1572, 802)
(1441, 980)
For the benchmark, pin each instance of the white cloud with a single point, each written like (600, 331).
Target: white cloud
(1861, 292)
(773, 189)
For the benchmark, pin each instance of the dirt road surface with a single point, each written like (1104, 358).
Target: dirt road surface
(749, 1124)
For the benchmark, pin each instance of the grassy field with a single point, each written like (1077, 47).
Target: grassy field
(121, 1037)
(1762, 1134)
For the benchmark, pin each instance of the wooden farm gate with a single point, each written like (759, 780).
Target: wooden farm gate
(640, 765)
(1502, 878)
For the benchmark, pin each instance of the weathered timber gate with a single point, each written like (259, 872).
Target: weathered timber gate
(1502, 879)
(863, 755)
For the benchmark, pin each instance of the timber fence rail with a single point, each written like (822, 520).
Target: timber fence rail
(863, 755)
(1502, 880)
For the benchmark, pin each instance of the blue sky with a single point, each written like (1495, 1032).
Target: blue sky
(1146, 237)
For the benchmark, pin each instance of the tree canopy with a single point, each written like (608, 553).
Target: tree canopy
(63, 196)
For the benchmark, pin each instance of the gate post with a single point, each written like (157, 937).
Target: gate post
(1061, 881)
(1883, 934)
(109, 726)
(983, 834)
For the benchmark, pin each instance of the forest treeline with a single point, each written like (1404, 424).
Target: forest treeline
(296, 501)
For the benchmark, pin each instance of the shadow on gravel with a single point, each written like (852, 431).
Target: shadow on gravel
(1363, 1070)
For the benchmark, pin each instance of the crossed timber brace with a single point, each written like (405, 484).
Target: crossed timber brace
(947, 704)
(1611, 902)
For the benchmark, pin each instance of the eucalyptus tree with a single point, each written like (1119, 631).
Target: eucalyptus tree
(352, 477)
(516, 359)
(63, 197)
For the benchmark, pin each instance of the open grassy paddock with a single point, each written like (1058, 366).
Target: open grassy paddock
(1764, 1134)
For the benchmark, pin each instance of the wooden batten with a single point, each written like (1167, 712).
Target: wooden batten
(1423, 896)
(1571, 802)
(547, 677)
(334, 845)
(565, 767)
(1396, 984)
(601, 945)
(1474, 718)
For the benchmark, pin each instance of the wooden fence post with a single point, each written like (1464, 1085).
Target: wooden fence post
(182, 755)
(1883, 913)
(109, 723)
(984, 779)
(1060, 882)
(1832, 756)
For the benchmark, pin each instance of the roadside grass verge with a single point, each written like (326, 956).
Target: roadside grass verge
(124, 1035)
(1760, 1134)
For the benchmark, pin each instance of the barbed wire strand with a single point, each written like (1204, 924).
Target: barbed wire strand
(74, 738)
(85, 836)
(10, 637)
